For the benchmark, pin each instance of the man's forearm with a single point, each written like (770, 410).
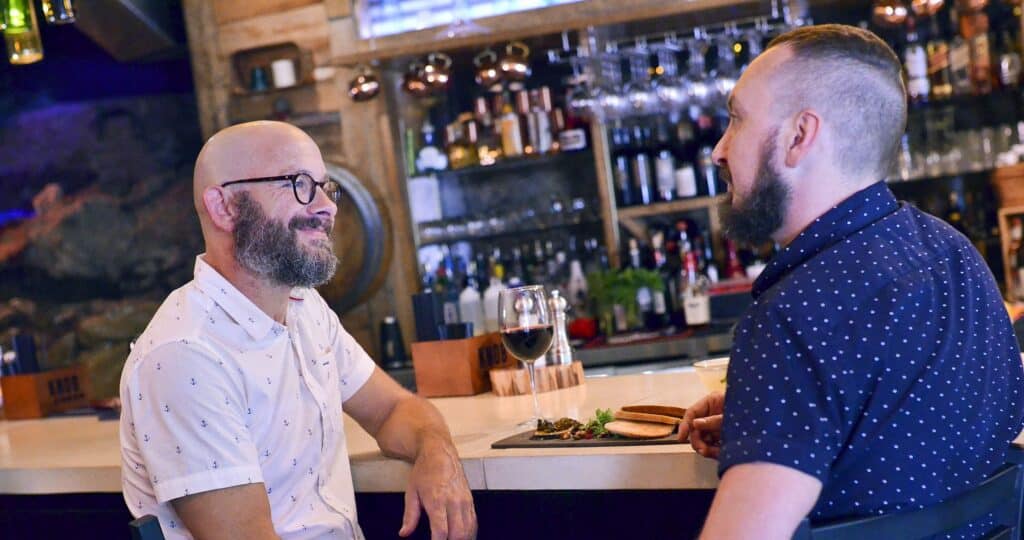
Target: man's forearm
(413, 425)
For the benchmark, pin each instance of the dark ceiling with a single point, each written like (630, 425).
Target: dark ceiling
(75, 68)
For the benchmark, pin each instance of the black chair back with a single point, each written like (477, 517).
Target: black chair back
(1001, 495)
(146, 528)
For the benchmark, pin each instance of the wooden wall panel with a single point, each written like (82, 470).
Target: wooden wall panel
(339, 8)
(226, 11)
(305, 26)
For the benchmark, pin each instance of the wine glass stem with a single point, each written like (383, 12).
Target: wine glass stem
(531, 370)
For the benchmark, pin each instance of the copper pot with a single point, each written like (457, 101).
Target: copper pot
(891, 13)
(515, 65)
(926, 8)
(412, 81)
(437, 71)
(365, 86)
(488, 70)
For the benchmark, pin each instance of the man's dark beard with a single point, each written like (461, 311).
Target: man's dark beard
(272, 251)
(765, 208)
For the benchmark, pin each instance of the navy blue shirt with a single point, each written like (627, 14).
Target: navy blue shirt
(877, 357)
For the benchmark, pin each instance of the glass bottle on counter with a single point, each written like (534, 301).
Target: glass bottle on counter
(22, 33)
(694, 292)
(488, 146)
(915, 61)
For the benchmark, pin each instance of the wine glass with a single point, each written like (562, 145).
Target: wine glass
(526, 331)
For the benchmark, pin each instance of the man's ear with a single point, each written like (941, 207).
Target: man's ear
(221, 213)
(806, 131)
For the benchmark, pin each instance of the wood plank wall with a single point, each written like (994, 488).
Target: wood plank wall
(361, 142)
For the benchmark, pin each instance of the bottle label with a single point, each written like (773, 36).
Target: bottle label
(664, 173)
(938, 57)
(696, 308)
(916, 61)
(659, 302)
(686, 182)
(572, 139)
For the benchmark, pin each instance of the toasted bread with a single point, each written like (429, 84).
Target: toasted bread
(639, 430)
(647, 417)
(665, 410)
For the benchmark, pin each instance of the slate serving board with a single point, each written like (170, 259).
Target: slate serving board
(523, 440)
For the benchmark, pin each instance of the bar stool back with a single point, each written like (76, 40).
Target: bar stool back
(1002, 494)
(146, 528)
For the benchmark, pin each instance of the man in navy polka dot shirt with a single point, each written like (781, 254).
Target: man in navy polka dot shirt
(876, 370)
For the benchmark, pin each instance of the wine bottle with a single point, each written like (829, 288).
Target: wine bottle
(915, 61)
(640, 167)
(939, 78)
(22, 33)
(974, 27)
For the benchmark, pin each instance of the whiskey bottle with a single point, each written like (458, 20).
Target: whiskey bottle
(915, 61)
(938, 64)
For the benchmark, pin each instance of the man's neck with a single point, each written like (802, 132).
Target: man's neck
(271, 298)
(813, 198)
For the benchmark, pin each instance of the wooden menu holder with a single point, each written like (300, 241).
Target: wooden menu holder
(36, 395)
(458, 367)
(516, 382)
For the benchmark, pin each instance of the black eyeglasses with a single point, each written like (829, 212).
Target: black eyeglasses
(303, 186)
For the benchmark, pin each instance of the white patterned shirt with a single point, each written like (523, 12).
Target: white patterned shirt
(217, 394)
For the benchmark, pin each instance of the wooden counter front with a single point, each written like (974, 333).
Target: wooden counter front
(82, 454)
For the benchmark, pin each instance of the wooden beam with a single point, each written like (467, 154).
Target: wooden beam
(337, 9)
(211, 73)
(550, 20)
(226, 11)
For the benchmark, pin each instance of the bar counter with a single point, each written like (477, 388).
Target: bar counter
(80, 454)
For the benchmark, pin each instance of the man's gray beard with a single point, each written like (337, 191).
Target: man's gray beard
(764, 211)
(272, 251)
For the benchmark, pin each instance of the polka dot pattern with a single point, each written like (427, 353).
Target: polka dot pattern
(877, 357)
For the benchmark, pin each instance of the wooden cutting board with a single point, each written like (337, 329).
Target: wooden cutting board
(523, 440)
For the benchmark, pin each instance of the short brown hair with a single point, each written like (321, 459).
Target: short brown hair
(855, 80)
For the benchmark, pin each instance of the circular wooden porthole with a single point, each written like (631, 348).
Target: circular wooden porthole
(363, 241)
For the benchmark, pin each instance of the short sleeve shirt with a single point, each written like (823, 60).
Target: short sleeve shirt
(216, 394)
(877, 357)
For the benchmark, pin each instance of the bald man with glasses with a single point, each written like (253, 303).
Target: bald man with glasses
(233, 396)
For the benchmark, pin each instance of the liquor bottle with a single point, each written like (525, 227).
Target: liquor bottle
(22, 32)
(709, 172)
(664, 164)
(694, 293)
(1009, 60)
(685, 176)
(527, 122)
(938, 64)
(556, 117)
(577, 288)
(634, 254)
(573, 137)
(430, 158)
(511, 133)
(621, 167)
(733, 266)
(541, 112)
(491, 295)
(665, 301)
(471, 308)
(915, 61)
(640, 168)
(959, 58)
(461, 153)
(974, 27)
(488, 147)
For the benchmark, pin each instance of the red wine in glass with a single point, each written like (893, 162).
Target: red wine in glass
(528, 344)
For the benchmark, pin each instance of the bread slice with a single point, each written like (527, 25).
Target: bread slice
(639, 430)
(666, 410)
(647, 417)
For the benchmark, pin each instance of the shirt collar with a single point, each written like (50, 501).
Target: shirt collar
(842, 221)
(250, 317)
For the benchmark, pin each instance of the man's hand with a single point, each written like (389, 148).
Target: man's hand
(438, 485)
(702, 425)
